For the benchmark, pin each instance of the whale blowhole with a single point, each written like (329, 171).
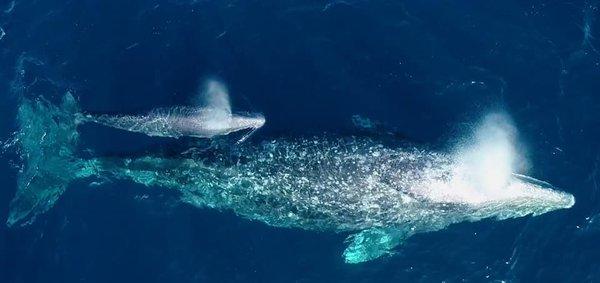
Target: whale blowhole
(484, 161)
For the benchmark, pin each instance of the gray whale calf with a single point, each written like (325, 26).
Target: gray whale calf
(215, 118)
(378, 195)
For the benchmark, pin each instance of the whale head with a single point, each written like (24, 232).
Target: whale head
(523, 196)
(516, 196)
(247, 120)
(481, 175)
(243, 121)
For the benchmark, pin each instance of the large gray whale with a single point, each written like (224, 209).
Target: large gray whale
(379, 195)
(214, 118)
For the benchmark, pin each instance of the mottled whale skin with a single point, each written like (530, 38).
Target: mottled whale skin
(380, 195)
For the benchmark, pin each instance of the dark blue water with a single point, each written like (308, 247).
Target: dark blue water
(425, 68)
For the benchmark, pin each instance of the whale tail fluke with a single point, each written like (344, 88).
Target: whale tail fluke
(46, 141)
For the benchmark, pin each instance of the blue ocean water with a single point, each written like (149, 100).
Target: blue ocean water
(426, 69)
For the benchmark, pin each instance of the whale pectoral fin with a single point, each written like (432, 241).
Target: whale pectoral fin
(373, 243)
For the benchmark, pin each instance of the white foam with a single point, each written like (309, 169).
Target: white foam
(482, 165)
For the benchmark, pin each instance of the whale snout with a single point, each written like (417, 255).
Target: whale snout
(533, 198)
(259, 121)
(558, 200)
(248, 120)
(545, 194)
